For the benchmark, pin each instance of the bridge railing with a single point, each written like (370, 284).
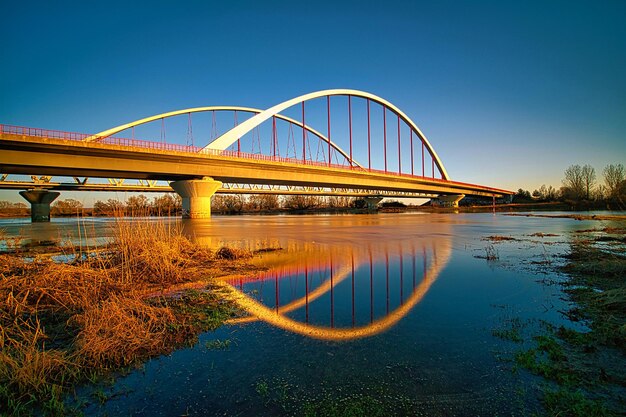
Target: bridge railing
(59, 134)
(137, 143)
(131, 142)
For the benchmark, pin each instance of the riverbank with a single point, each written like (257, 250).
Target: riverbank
(71, 315)
(582, 363)
(391, 208)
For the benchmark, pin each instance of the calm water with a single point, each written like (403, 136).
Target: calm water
(400, 307)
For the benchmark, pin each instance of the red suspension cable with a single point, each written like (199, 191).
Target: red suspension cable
(303, 136)
(399, 160)
(369, 140)
(328, 119)
(385, 135)
(350, 125)
(412, 165)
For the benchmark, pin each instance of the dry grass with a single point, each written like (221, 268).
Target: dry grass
(62, 322)
(121, 330)
(499, 238)
(232, 254)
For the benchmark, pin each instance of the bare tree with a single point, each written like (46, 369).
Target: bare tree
(589, 180)
(228, 203)
(111, 207)
(68, 206)
(613, 180)
(263, 202)
(167, 204)
(546, 193)
(301, 202)
(138, 205)
(573, 182)
(338, 201)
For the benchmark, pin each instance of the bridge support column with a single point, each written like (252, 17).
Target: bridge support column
(40, 203)
(447, 200)
(196, 196)
(372, 202)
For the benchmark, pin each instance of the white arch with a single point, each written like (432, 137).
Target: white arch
(230, 137)
(109, 132)
(279, 320)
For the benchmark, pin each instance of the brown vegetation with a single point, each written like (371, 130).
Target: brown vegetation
(8, 209)
(499, 238)
(61, 323)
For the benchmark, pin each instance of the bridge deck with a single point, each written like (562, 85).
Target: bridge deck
(33, 154)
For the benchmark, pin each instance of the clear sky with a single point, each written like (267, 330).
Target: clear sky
(509, 93)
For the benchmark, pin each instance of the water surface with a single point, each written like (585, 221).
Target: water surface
(398, 307)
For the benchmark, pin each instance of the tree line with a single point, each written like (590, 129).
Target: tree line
(581, 186)
(171, 204)
(237, 203)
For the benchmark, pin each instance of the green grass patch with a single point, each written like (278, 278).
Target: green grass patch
(567, 403)
(284, 398)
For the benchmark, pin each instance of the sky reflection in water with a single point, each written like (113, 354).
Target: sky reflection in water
(414, 322)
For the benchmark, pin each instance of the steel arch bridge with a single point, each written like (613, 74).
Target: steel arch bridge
(394, 150)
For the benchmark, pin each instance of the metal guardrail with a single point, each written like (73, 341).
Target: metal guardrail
(161, 146)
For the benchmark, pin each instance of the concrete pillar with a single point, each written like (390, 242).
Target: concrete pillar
(372, 202)
(447, 200)
(40, 203)
(196, 195)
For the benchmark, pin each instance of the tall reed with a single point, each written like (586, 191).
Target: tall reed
(63, 322)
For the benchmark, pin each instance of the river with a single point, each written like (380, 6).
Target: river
(395, 309)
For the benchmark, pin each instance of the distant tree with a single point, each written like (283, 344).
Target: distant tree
(138, 204)
(66, 207)
(545, 193)
(8, 205)
(167, 204)
(614, 180)
(574, 183)
(338, 201)
(589, 180)
(599, 193)
(393, 203)
(550, 193)
(301, 202)
(263, 202)
(228, 203)
(13, 209)
(522, 196)
(109, 208)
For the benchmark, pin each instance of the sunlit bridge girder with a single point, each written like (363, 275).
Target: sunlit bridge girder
(151, 186)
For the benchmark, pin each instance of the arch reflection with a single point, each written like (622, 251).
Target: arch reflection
(346, 275)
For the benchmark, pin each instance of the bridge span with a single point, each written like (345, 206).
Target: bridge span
(197, 172)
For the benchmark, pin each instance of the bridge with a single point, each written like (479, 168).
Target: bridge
(261, 151)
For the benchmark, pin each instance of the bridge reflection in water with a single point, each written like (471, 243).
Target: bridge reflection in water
(344, 293)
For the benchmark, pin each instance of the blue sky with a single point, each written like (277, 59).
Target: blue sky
(509, 93)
